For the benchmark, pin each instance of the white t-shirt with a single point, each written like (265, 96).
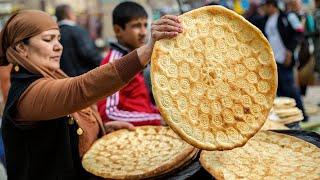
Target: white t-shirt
(271, 29)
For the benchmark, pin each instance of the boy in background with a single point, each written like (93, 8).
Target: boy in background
(133, 102)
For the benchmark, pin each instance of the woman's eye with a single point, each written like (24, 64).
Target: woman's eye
(47, 40)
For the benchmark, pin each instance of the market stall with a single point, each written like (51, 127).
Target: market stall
(215, 85)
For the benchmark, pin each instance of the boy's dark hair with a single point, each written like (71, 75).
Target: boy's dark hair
(62, 11)
(127, 11)
(272, 2)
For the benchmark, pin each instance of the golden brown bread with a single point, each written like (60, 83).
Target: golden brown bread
(146, 152)
(268, 155)
(214, 83)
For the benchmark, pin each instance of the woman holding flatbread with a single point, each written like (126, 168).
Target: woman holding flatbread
(49, 121)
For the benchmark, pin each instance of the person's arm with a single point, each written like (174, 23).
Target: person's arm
(295, 23)
(49, 98)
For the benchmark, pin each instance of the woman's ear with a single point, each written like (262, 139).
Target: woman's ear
(21, 49)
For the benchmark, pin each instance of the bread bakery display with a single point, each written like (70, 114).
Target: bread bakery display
(286, 111)
(147, 152)
(214, 83)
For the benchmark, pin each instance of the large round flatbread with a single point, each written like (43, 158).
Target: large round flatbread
(214, 83)
(146, 152)
(268, 155)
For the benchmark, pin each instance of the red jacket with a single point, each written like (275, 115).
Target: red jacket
(132, 103)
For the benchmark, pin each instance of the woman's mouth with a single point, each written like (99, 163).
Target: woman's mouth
(55, 58)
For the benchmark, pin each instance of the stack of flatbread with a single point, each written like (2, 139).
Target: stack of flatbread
(147, 152)
(311, 109)
(285, 108)
(214, 83)
(268, 155)
(273, 125)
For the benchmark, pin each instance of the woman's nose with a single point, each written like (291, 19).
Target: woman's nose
(58, 46)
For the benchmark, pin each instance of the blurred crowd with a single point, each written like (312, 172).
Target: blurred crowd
(293, 35)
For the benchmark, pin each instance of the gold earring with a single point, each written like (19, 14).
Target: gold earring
(16, 68)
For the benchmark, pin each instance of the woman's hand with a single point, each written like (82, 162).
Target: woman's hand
(167, 26)
(116, 125)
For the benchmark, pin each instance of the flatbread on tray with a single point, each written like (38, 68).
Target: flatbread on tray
(268, 155)
(147, 152)
(214, 83)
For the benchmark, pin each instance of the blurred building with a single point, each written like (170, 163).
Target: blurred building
(95, 15)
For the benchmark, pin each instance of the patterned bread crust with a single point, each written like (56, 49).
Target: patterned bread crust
(268, 155)
(146, 152)
(214, 83)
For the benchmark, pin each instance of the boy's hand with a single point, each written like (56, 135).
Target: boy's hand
(167, 26)
(117, 125)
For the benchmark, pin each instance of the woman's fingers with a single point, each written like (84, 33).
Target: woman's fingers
(172, 17)
(167, 27)
(167, 22)
(116, 125)
(164, 28)
(125, 125)
(161, 35)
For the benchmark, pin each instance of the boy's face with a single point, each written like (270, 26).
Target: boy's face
(134, 34)
(269, 9)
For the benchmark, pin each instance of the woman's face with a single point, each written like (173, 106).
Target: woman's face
(45, 49)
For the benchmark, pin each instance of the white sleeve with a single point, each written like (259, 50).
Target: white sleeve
(294, 21)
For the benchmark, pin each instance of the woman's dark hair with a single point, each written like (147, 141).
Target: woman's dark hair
(127, 11)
